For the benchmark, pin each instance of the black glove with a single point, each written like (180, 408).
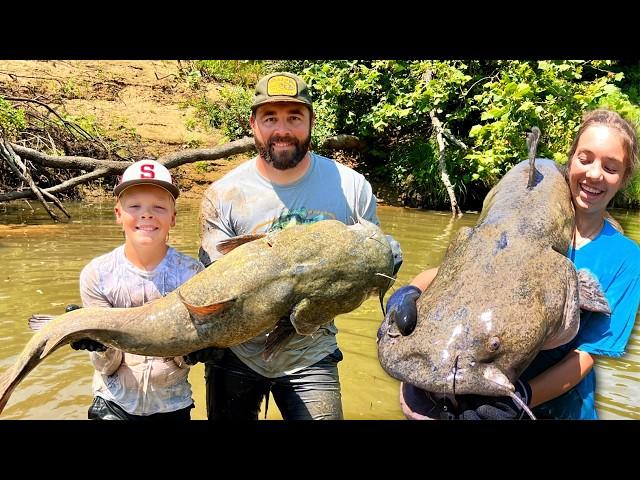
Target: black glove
(88, 344)
(209, 354)
(401, 309)
(478, 407)
(84, 343)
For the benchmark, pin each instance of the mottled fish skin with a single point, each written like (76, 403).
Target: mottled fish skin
(504, 291)
(317, 271)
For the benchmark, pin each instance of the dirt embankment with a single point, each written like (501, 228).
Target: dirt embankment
(140, 106)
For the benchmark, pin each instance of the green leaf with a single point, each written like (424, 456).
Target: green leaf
(527, 105)
(510, 88)
(523, 89)
(475, 130)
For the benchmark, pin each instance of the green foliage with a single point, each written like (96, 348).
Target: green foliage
(12, 120)
(551, 95)
(229, 114)
(69, 89)
(238, 72)
(488, 105)
(202, 167)
(413, 168)
(87, 123)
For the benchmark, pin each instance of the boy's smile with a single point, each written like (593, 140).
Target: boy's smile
(146, 213)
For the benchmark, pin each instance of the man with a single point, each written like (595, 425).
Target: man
(284, 184)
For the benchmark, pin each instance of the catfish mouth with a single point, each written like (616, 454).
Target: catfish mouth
(419, 404)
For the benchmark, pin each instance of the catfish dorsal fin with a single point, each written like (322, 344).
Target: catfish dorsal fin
(532, 145)
(37, 321)
(225, 246)
(203, 314)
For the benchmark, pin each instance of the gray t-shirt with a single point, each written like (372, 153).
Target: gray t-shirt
(243, 202)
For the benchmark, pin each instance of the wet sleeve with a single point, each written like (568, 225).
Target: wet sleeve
(214, 227)
(91, 294)
(608, 335)
(367, 203)
(106, 362)
(90, 291)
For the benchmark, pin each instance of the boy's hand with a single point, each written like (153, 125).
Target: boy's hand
(88, 344)
(84, 343)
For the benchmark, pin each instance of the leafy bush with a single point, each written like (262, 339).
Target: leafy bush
(12, 120)
(229, 114)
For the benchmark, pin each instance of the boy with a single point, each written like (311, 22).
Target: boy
(128, 386)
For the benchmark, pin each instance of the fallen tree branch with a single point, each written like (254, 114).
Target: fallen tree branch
(172, 160)
(15, 163)
(66, 185)
(103, 168)
(70, 162)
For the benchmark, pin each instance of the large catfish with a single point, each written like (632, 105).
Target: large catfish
(309, 273)
(504, 291)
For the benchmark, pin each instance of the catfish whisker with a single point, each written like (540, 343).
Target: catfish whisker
(517, 399)
(386, 276)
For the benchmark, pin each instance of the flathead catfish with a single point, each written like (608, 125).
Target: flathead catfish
(310, 273)
(504, 291)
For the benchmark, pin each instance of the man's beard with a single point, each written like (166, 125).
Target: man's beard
(286, 159)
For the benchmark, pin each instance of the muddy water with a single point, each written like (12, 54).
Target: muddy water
(39, 269)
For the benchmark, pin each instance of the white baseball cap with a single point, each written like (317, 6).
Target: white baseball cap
(146, 172)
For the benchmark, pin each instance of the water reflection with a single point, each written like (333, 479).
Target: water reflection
(41, 263)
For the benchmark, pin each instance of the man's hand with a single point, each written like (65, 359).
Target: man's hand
(401, 308)
(477, 407)
(209, 354)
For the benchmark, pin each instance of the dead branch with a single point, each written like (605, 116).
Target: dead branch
(70, 162)
(15, 163)
(176, 159)
(455, 208)
(103, 168)
(66, 185)
(70, 126)
(96, 168)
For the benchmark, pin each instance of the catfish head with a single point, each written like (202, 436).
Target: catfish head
(471, 337)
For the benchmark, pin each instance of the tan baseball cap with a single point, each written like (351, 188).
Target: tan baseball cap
(281, 87)
(146, 172)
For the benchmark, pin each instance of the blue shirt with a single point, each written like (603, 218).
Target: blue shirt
(615, 261)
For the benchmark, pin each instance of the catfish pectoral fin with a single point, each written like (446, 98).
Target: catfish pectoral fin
(201, 314)
(306, 318)
(225, 246)
(590, 293)
(277, 338)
